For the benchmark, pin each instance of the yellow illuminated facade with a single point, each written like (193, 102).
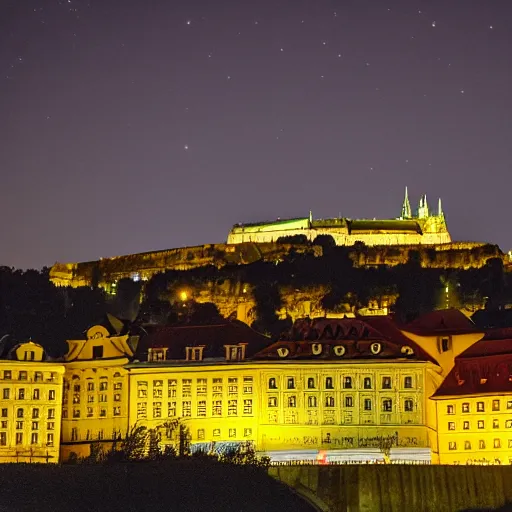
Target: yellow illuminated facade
(475, 429)
(30, 406)
(287, 407)
(95, 397)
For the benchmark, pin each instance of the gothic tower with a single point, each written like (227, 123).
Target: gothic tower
(423, 212)
(406, 207)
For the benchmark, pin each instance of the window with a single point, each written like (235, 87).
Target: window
(217, 408)
(7, 375)
(157, 410)
(248, 406)
(248, 385)
(480, 424)
(497, 443)
(408, 382)
(495, 405)
(450, 409)
(3, 438)
(465, 407)
(157, 354)
(349, 401)
(157, 388)
(508, 424)
(235, 352)
(4, 413)
(232, 385)
(480, 407)
(103, 398)
(50, 425)
(3, 424)
(35, 425)
(194, 353)
(329, 401)
(272, 383)
(118, 386)
(74, 434)
(216, 432)
(186, 408)
(19, 438)
(90, 386)
(495, 423)
(35, 413)
(292, 401)
(141, 410)
(21, 394)
(467, 445)
(386, 382)
(103, 385)
(311, 383)
(387, 405)
(481, 444)
(247, 432)
(117, 411)
(201, 408)
(367, 383)
(38, 376)
(97, 352)
(312, 401)
(34, 438)
(232, 432)
(408, 405)
(49, 439)
(172, 385)
(117, 397)
(367, 404)
(328, 383)
(200, 434)
(103, 412)
(465, 425)
(347, 382)
(19, 425)
(29, 355)
(509, 404)
(76, 388)
(290, 383)
(51, 394)
(272, 401)
(23, 376)
(444, 344)
(90, 412)
(19, 413)
(451, 425)
(6, 393)
(452, 445)
(171, 409)
(510, 443)
(232, 407)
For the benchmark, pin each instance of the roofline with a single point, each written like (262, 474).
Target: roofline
(435, 396)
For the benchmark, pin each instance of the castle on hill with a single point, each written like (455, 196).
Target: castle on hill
(421, 228)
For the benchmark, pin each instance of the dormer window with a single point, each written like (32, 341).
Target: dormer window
(194, 353)
(97, 352)
(445, 343)
(235, 352)
(29, 355)
(157, 354)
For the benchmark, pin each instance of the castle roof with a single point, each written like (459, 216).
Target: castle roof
(384, 226)
(375, 338)
(212, 337)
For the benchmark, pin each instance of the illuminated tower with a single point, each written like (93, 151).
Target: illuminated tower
(423, 208)
(406, 207)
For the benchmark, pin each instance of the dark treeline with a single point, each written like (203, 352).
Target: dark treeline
(31, 307)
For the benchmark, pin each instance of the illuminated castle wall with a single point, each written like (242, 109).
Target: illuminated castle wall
(424, 228)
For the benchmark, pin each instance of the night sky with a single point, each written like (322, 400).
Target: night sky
(129, 126)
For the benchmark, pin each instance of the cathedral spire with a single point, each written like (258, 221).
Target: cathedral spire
(406, 207)
(440, 212)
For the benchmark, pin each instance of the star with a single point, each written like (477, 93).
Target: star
(185, 147)
(433, 23)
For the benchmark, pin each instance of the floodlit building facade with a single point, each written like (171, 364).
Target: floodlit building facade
(474, 404)
(30, 405)
(95, 397)
(340, 389)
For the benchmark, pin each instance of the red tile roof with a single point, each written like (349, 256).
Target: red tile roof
(444, 321)
(361, 338)
(212, 337)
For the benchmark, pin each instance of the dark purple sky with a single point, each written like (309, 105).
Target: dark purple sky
(128, 126)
